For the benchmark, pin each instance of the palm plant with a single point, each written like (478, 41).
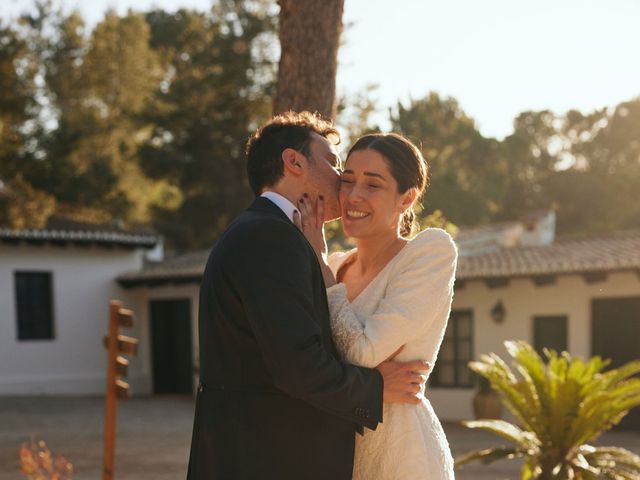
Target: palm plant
(560, 406)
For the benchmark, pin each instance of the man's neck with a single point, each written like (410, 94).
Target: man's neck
(289, 193)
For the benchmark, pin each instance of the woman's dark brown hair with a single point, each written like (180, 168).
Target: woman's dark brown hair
(406, 163)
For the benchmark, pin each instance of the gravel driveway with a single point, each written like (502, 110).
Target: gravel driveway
(154, 435)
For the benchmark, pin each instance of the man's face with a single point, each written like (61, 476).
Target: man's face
(324, 174)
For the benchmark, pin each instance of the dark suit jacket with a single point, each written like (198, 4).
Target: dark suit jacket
(274, 400)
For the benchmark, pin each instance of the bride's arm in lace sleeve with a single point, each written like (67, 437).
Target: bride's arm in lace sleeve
(420, 285)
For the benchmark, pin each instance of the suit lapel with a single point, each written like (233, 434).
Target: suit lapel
(266, 206)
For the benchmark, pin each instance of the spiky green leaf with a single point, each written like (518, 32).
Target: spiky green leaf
(506, 430)
(489, 455)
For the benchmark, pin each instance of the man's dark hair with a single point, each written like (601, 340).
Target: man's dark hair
(287, 130)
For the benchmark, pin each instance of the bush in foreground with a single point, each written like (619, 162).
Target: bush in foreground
(38, 463)
(560, 405)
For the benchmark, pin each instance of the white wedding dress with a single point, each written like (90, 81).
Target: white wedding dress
(407, 303)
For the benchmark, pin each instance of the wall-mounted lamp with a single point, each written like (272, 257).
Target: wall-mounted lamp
(498, 312)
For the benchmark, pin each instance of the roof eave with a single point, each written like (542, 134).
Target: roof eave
(158, 280)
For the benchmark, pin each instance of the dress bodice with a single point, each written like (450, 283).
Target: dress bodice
(406, 305)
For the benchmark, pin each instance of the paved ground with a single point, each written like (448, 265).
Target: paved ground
(154, 435)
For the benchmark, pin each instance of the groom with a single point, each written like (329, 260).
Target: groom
(274, 400)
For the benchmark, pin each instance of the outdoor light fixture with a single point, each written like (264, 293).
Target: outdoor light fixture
(498, 312)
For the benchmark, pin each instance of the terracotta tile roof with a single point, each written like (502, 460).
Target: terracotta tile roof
(119, 238)
(185, 268)
(600, 253)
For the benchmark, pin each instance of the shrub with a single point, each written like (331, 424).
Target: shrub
(38, 463)
(560, 405)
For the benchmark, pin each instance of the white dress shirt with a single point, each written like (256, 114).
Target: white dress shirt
(282, 203)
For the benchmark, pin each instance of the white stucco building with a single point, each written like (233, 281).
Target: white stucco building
(55, 288)
(514, 281)
(576, 294)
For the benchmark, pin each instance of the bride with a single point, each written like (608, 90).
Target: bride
(389, 296)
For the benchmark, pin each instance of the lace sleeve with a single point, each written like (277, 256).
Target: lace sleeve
(345, 325)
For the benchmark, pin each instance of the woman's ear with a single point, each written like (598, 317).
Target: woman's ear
(408, 199)
(291, 160)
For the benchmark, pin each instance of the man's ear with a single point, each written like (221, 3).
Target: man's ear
(291, 160)
(409, 198)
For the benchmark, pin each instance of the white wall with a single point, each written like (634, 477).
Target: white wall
(570, 295)
(83, 283)
(74, 362)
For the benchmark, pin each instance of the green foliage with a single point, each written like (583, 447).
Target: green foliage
(560, 405)
(20, 203)
(462, 166)
(354, 112)
(527, 161)
(16, 84)
(603, 151)
(141, 120)
(584, 166)
(216, 92)
(435, 219)
(78, 157)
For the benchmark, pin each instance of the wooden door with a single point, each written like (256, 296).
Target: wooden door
(616, 335)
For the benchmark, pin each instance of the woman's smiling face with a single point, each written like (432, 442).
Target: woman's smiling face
(369, 198)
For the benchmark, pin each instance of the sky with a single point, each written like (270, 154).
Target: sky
(496, 57)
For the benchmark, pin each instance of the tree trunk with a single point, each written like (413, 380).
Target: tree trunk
(309, 38)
